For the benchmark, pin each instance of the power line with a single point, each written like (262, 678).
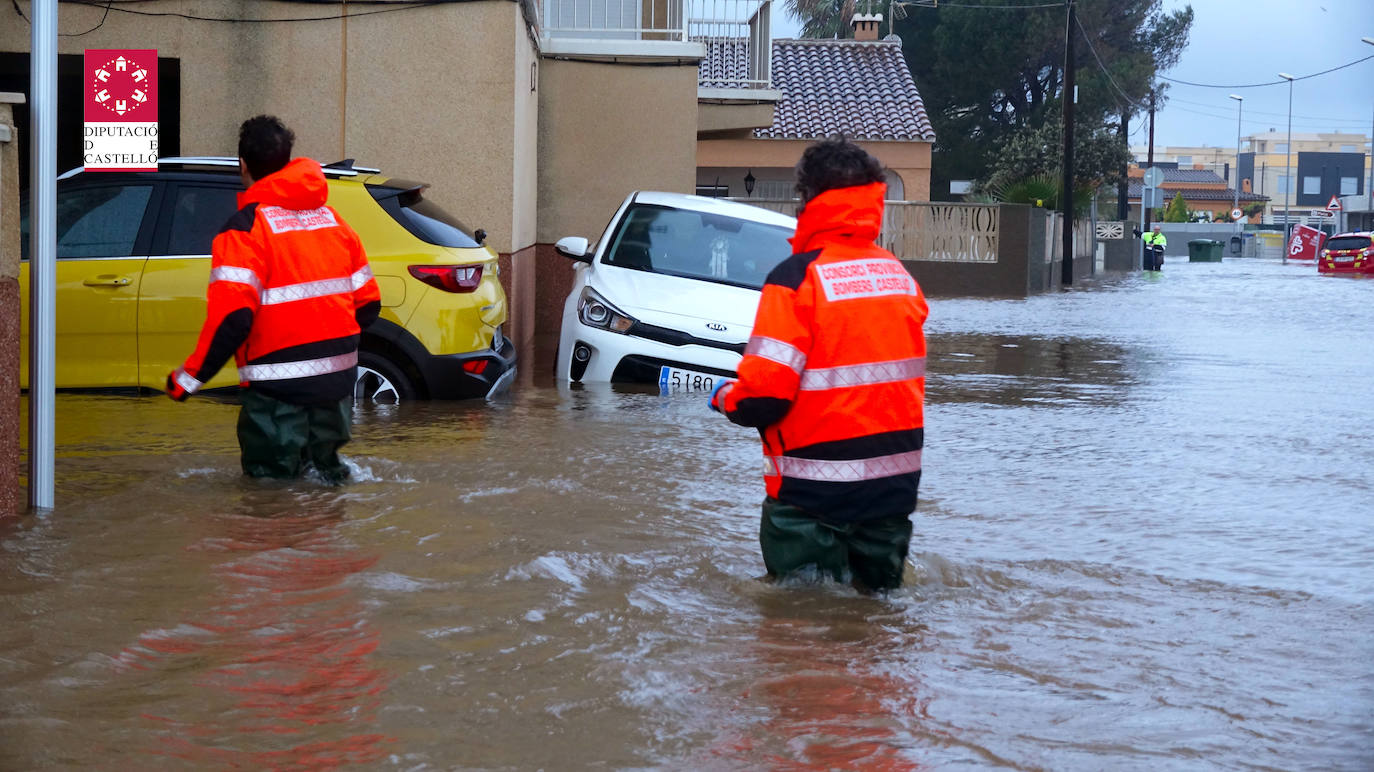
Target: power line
(1103, 67)
(399, 6)
(1271, 83)
(1360, 121)
(994, 7)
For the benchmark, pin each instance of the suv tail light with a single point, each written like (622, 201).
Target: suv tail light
(449, 278)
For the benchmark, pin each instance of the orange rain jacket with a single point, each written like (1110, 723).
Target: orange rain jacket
(290, 290)
(834, 373)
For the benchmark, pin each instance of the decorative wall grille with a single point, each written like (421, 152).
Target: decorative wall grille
(1111, 230)
(952, 233)
(918, 231)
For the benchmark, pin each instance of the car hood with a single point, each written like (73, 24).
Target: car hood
(682, 304)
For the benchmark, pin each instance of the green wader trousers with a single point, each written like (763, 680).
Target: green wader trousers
(870, 553)
(279, 439)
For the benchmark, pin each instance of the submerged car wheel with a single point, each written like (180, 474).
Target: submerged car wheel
(380, 380)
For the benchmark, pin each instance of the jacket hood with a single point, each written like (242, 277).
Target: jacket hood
(298, 185)
(841, 214)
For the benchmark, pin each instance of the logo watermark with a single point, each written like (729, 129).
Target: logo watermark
(120, 110)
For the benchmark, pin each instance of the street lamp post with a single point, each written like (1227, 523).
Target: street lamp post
(1288, 171)
(1369, 189)
(1235, 181)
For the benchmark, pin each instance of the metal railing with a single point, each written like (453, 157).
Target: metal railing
(738, 39)
(615, 19)
(922, 231)
(737, 33)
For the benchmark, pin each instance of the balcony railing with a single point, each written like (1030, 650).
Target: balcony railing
(735, 33)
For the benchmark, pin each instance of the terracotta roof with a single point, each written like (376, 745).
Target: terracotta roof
(727, 59)
(861, 89)
(1197, 194)
(1196, 176)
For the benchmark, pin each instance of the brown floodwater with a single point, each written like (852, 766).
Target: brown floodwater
(1145, 541)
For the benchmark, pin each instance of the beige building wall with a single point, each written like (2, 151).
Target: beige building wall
(773, 160)
(423, 93)
(9, 308)
(605, 130)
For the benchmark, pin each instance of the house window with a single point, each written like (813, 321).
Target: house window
(1283, 183)
(1184, 159)
(1347, 148)
(1280, 147)
(1311, 186)
(1350, 186)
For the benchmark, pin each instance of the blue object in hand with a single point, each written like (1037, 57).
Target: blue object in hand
(716, 391)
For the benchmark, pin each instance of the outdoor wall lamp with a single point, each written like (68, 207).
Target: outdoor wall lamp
(749, 183)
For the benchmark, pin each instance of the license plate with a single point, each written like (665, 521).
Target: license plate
(1344, 258)
(677, 379)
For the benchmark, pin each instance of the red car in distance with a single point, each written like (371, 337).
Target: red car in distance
(1348, 253)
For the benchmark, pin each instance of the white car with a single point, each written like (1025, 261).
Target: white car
(669, 292)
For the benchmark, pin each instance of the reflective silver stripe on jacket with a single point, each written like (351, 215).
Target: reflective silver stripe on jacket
(280, 371)
(361, 276)
(775, 350)
(237, 275)
(853, 470)
(185, 381)
(863, 375)
(307, 290)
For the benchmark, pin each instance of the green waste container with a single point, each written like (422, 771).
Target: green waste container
(1204, 251)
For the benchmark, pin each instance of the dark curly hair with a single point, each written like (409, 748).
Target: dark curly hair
(835, 163)
(265, 145)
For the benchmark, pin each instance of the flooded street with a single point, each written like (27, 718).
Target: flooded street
(1145, 541)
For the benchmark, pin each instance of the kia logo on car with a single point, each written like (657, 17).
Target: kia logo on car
(717, 326)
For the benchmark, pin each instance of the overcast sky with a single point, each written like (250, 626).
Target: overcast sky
(1240, 42)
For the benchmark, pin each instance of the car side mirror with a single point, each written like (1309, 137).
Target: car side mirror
(574, 247)
(479, 235)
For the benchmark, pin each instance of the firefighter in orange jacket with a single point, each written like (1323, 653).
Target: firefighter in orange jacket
(833, 377)
(290, 290)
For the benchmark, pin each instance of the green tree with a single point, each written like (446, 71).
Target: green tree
(993, 76)
(1177, 210)
(822, 18)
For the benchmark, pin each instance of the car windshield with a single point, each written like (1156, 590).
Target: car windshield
(698, 245)
(1347, 242)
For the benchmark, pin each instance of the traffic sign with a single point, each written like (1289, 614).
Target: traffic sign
(1236, 213)
(1334, 204)
(1323, 213)
(1154, 177)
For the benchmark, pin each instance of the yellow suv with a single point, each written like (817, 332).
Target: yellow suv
(133, 262)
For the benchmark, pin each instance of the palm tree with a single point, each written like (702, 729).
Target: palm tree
(822, 18)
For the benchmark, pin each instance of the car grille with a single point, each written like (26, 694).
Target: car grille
(678, 338)
(638, 369)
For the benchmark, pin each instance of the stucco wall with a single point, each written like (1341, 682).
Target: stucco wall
(606, 130)
(9, 313)
(424, 93)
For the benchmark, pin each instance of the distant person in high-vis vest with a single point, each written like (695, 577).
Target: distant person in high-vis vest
(833, 377)
(1154, 249)
(290, 291)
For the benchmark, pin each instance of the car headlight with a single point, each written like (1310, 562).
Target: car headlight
(594, 311)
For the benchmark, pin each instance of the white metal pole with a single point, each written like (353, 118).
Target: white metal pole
(1369, 189)
(1288, 172)
(43, 249)
(1235, 179)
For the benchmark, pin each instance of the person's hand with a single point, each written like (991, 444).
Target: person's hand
(174, 390)
(717, 395)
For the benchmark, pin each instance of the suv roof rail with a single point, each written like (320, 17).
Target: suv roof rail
(344, 168)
